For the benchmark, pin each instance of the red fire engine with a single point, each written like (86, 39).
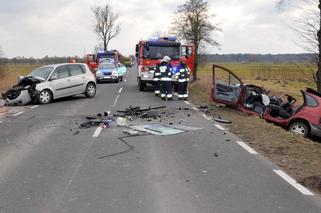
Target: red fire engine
(150, 52)
(93, 60)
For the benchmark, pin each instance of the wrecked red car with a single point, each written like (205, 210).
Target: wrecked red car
(303, 119)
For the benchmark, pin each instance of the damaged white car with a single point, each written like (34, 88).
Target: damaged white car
(50, 82)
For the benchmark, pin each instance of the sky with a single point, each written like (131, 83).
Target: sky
(36, 28)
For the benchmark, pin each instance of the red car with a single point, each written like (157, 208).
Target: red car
(305, 119)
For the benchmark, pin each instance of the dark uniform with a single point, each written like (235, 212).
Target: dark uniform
(182, 81)
(166, 80)
(156, 79)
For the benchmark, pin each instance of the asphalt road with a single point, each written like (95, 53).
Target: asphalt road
(48, 164)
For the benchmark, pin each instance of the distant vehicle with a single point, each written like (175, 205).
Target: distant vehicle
(303, 119)
(121, 70)
(62, 80)
(107, 72)
(150, 52)
(93, 60)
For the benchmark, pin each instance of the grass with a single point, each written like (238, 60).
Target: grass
(11, 73)
(300, 157)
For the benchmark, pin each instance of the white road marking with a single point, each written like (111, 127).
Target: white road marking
(219, 127)
(35, 106)
(188, 103)
(19, 113)
(293, 183)
(206, 117)
(194, 108)
(121, 89)
(1, 122)
(247, 147)
(97, 132)
(115, 102)
(125, 80)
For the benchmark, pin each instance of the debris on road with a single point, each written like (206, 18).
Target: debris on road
(157, 129)
(22, 93)
(221, 120)
(99, 120)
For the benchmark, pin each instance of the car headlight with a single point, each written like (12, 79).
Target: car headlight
(114, 73)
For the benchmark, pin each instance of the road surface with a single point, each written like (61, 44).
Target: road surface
(48, 164)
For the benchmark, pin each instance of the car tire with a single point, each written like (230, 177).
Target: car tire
(45, 97)
(90, 90)
(299, 128)
(141, 85)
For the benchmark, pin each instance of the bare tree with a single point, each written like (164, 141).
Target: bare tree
(105, 24)
(309, 28)
(2, 63)
(192, 24)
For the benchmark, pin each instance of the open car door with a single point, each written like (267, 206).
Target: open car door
(227, 88)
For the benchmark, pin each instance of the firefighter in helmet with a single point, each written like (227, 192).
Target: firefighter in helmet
(156, 79)
(183, 79)
(166, 78)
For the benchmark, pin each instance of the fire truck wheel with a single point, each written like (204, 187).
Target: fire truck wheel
(141, 85)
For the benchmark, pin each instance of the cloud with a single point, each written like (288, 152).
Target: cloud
(64, 27)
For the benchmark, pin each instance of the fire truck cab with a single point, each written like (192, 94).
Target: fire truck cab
(150, 52)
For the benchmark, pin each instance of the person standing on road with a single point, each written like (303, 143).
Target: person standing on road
(166, 79)
(183, 79)
(156, 79)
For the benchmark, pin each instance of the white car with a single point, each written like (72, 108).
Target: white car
(62, 80)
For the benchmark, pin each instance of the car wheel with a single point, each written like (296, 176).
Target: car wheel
(299, 128)
(90, 90)
(45, 97)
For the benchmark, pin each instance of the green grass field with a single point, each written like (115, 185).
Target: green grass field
(11, 72)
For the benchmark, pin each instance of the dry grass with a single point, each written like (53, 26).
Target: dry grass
(11, 73)
(300, 157)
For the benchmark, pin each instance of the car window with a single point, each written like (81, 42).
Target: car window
(75, 69)
(106, 66)
(310, 101)
(61, 72)
(42, 72)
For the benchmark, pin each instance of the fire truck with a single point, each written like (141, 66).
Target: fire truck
(93, 60)
(150, 52)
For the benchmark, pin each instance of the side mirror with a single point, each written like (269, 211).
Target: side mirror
(20, 77)
(52, 78)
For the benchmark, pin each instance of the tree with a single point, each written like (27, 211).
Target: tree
(105, 24)
(192, 24)
(3, 62)
(310, 31)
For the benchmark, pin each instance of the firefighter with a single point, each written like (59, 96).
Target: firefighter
(182, 81)
(156, 79)
(166, 79)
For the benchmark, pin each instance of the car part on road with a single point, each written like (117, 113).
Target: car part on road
(221, 120)
(157, 129)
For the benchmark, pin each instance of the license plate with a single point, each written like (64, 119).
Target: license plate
(107, 77)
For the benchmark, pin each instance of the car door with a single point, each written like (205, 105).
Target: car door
(78, 78)
(227, 88)
(60, 81)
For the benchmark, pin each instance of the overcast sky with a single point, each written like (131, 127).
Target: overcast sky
(65, 27)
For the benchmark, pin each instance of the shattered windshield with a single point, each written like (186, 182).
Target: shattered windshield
(158, 52)
(41, 72)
